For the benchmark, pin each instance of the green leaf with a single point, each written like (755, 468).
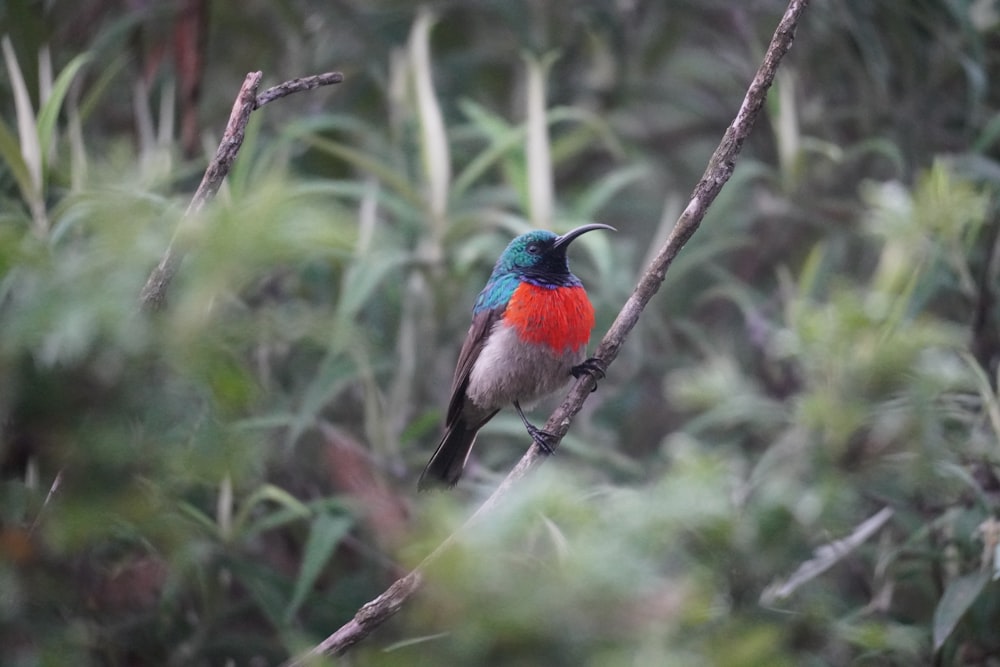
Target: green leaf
(957, 599)
(334, 375)
(503, 139)
(355, 191)
(285, 516)
(10, 152)
(49, 112)
(596, 126)
(363, 277)
(991, 401)
(99, 87)
(538, 147)
(365, 162)
(200, 518)
(265, 584)
(266, 492)
(606, 189)
(26, 129)
(327, 531)
(433, 136)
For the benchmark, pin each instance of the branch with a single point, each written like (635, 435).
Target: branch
(154, 291)
(825, 557)
(719, 169)
(297, 85)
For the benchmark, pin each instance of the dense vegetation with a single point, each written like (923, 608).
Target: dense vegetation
(226, 480)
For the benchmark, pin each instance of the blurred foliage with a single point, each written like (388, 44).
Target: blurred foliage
(226, 481)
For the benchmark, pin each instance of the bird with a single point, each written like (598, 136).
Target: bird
(530, 328)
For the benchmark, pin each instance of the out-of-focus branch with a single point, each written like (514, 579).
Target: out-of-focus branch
(825, 557)
(154, 291)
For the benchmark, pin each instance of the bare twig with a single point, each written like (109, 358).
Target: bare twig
(719, 169)
(369, 617)
(153, 293)
(155, 289)
(297, 85)
(825, 557)
(53, 489)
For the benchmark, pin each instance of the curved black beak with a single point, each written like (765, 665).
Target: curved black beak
(567, 238)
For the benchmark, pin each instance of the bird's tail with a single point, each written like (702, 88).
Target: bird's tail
(448, 461)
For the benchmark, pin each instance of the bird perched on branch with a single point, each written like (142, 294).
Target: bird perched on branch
(529, 334)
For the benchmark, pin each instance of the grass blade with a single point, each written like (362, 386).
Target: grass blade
(10, 152)
(325, 535)
(31, 151)
(49, 112)
(537, 148)
(957, 599)
(434, 141)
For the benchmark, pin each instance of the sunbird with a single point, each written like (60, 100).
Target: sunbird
(529, 334)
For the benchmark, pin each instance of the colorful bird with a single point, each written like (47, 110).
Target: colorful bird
(529, 334)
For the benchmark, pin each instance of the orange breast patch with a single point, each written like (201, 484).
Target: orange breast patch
(560, 318)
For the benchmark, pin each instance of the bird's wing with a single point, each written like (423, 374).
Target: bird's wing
(479, 331)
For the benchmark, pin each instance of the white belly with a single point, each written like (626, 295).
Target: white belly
(509, 370)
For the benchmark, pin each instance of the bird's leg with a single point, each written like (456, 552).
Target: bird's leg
(543, 439)
(594, 367)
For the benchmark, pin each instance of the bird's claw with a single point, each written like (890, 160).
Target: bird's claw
(594, 367)
(543, 439)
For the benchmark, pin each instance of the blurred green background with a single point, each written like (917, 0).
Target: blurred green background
(225, 481)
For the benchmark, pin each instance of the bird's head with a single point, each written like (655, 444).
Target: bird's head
(541, 255)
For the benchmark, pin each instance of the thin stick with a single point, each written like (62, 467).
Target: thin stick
(720, 168)
(825, 557)
(56, 483)
(154, 291)
(297, 85)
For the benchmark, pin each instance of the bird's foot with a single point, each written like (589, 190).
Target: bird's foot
(545, 440)
(594, 367)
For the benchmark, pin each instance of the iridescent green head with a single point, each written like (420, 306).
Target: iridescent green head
(541, 254)
(538, 257)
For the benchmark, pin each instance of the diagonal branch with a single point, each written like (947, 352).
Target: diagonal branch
(825, 557)
(154, 291)
(719, 169)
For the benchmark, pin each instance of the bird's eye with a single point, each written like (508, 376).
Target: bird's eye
(534, 249)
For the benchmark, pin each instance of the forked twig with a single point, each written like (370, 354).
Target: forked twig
(154, 291)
